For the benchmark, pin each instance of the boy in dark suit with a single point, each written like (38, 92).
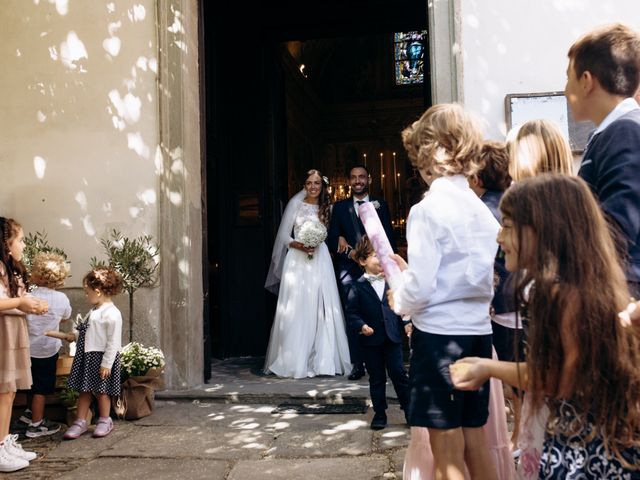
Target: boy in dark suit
(381, 331)
(345, 230)
(602, 77)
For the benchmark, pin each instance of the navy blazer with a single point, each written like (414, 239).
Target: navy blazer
(364, 307)
(345, 223)
(611, 167)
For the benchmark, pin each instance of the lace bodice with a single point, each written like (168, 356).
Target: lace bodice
(305, 213)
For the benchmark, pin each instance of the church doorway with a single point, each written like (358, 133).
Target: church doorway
(290, 86)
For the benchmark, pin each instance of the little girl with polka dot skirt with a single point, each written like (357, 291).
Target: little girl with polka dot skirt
(96, 365)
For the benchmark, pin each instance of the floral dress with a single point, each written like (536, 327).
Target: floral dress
(575, 457)
(548, 454)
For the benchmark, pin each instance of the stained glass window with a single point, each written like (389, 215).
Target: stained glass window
(409, 49)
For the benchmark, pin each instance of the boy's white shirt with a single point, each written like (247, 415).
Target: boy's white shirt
(627, 105)
(59, 309)
(448, 287)
(104, 333)
(378, 285)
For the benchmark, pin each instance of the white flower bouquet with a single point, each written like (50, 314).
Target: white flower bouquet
(137, 360)
(311, 235)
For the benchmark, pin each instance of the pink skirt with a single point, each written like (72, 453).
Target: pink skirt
(15, 362)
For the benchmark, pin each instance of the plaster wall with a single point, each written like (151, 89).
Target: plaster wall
(520, 46)
(79, 123)
(79, 128)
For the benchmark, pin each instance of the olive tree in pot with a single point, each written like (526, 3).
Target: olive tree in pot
(135, 259)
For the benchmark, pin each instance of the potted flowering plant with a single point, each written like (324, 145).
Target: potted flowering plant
(136, 360)
(140, 372)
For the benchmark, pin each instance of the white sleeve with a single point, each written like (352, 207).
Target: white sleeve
(424, 256)
(66, 314)
(113, 325)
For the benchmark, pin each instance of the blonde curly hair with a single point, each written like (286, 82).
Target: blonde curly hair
(446, 140)
(49, 270)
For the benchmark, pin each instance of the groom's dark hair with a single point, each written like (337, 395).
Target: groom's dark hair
(359, 165)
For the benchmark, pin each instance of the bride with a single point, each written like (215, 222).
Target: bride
(308, 335)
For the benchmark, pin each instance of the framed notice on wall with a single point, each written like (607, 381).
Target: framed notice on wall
(521, 107)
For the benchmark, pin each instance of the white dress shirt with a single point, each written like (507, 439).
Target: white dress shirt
(59, 309)
(451, 237)
(356, 204)
(377, 282)
(624, 107)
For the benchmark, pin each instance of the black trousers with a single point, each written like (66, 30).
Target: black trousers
(380, 359)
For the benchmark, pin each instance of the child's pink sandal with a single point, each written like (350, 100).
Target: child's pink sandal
(75, 430)
(103, 427)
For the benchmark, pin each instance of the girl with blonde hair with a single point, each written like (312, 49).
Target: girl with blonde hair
(538, 146)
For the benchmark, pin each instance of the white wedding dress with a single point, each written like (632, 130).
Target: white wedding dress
(308, 336)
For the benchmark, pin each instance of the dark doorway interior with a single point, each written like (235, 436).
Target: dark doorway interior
(268, 120)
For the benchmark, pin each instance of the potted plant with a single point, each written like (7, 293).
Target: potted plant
(69, 399)
(140, 371)
(135, 259)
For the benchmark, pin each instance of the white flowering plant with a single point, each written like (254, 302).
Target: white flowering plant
(311, 235)
(137, 360)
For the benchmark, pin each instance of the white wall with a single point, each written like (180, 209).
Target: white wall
(79, 122)
(520, 46)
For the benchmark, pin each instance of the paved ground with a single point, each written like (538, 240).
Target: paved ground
(227, 430)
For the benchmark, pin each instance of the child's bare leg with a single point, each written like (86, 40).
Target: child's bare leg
(6, 405)
(448, 453)
(37, 407)
(517, 409)
(104, 404)
(477, 455)
(84, 402)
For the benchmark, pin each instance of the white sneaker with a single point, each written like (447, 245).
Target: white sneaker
(9, 463)
(14, 449)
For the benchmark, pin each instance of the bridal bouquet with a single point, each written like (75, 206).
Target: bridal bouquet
(312, 234)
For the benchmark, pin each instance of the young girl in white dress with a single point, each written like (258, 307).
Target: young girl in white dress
(308, 335)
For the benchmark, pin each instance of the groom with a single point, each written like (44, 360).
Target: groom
(345, 231)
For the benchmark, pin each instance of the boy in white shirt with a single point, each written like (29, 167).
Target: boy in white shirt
(447, 288)
(48, 273)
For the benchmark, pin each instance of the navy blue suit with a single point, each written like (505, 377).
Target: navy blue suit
(382, 350)
(345, 223)
(611, 167)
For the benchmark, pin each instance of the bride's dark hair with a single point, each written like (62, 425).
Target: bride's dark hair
(324, 202)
